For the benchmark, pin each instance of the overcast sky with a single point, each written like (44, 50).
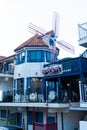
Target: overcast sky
(15, 16)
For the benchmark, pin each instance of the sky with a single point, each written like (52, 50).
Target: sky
(15, 16)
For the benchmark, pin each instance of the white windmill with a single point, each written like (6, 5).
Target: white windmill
(59, 44)
(62, 44)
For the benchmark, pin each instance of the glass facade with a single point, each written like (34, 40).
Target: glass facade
(35, 56)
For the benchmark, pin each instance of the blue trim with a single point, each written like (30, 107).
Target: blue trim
(27, 85)
(44, 88)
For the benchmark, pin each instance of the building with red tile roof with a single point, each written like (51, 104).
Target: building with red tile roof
(34, 41)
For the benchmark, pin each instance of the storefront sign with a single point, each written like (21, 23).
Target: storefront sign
(52, 69)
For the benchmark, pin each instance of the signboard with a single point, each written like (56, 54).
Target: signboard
(52, 70)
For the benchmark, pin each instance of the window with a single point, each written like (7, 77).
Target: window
(39, 117)
(35, 85)
(35, 56)
(38, 56)
(19, 119)
(20, 58)
(48, 56)
(51, 119)
(20, 86)
(3, 113)
(30, 118)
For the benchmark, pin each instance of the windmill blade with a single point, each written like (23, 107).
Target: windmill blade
(35, 29)
(66, 46)
(32, 30)
(56, 23)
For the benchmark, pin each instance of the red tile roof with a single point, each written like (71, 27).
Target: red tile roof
(34, 41)
(2, 57)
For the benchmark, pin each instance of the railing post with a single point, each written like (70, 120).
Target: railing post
(47, 93)
(81, 91)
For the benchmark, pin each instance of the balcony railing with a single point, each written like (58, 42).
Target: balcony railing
(7, 70)
(68, 66)
(74, 65)
(83, 92)
(6, 96)
(82, 29)
(43, 98)
(34, 98)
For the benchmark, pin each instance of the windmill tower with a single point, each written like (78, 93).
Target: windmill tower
(52, 36)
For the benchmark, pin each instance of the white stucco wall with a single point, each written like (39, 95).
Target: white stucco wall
(70, 120)
(28, 70)
(6, 84)
(83, 125)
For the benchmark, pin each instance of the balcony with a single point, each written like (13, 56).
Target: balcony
(6, 96)
(73, 65)
(7, 69)
(67, 66)
(82, 29)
